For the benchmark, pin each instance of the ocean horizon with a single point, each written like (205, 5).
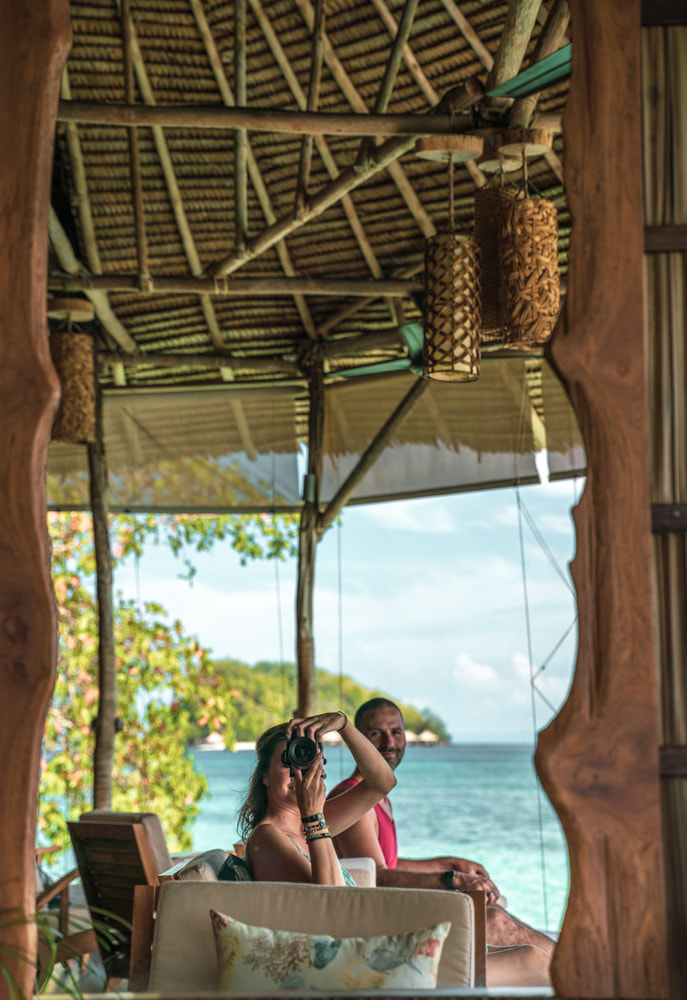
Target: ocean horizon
(480, 801)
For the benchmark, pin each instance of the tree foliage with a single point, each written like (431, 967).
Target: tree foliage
(266, 694)
(167, 686)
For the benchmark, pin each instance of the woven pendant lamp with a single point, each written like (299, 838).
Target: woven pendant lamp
(72, 355)
(451, 305)
(489, 206)
(529, 275)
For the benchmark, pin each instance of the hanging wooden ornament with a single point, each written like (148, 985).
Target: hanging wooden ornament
(489, 205)
(72, 356)
(493, 161)
(519, 142)
(529, 276)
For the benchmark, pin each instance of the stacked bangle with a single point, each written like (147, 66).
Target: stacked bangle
(318, 835)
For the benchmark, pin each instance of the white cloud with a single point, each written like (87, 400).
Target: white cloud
(425, 516)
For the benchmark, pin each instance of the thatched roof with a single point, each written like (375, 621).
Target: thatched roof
(211, 266)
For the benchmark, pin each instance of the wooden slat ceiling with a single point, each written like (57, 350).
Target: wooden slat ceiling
(145, 220)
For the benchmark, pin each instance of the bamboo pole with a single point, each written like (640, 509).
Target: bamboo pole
(268, 286)
(134, 160)
(83, 205)
(396, 172)
(349, 310)
(274, 365)
(321, 143)
(370, 455)
(549, 41)
(241, 138)
(469, 34)
(106, 720)
(259, 187)
(308, 537)
(347, 181)
(313, 100)
(253, 119)
(515, 37)
(420, 78)
(101, 304)
(391, 71)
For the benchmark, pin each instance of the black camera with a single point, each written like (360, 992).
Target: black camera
(300, 753)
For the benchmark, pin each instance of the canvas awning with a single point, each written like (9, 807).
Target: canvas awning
(198, 450)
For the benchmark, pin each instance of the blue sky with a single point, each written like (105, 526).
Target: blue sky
(427, 596)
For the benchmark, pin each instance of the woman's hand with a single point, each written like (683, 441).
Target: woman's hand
(309, 786)
(315, 726)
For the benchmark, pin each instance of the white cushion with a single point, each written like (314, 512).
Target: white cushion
(184, 957)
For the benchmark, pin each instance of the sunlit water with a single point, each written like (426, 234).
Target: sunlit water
(478, 801)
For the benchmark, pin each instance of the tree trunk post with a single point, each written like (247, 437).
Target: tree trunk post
(106, 721)
(34, 39)
(308, 538)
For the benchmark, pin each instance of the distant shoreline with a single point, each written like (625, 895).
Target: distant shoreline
(216, 742)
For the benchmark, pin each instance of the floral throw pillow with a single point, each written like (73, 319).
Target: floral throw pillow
(257, 958)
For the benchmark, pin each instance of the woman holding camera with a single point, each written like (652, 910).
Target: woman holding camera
(287, 822)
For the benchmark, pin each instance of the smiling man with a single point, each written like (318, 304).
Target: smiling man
(374, 836)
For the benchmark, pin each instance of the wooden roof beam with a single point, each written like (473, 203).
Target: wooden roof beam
(252, 166)
(340, 287)
(253, 119)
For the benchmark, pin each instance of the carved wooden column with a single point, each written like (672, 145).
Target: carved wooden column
(599, 758)
(34, 41)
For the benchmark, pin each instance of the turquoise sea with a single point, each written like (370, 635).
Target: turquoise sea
(478, 801)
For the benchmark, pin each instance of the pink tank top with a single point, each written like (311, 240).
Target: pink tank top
(387, 828)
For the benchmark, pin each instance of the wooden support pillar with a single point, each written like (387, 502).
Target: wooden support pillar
(106, 722)
(34, 41)
(598, 759)
(307, 538)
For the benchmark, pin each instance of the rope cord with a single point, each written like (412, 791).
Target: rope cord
(540, 815)
(280, 632)
(339, 574)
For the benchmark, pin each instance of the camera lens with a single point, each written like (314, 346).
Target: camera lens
(301, 752)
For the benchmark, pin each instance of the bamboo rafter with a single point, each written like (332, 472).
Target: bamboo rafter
(252, 166)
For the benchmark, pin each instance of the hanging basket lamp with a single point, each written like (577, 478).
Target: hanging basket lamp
(529, 274)
(490, 203)
(72, 355)
(451, 309)
(451, 351)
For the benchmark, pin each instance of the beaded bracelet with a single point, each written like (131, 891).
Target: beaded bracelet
(314, 827)
(322, 835)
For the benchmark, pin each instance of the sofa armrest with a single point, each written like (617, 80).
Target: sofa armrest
(363, 870)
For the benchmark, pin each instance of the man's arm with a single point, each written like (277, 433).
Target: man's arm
(360, 841)
(442, 864)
